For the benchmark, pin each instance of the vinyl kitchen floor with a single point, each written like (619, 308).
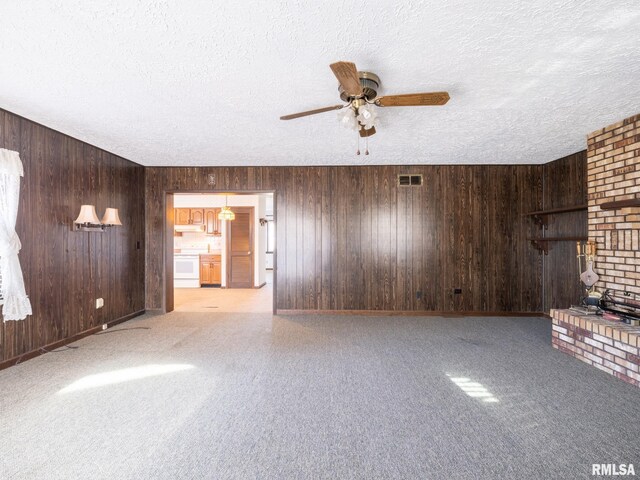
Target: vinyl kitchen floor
(225, 299)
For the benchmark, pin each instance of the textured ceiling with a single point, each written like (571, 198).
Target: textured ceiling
(205, 82)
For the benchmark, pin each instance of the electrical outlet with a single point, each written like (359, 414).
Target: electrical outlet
(99, 303)
(457, 291)
(104, 326)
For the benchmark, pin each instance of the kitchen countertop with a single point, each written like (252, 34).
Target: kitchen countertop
(195, 254)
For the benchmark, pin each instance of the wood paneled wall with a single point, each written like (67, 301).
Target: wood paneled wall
(65, 271)
(565, 184)
(348, 238)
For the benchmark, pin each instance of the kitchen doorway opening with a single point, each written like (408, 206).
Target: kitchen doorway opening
(220, 265)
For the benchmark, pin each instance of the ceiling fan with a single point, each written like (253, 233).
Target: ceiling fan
(360, 90)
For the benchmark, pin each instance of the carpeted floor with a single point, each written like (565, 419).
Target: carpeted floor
(248, 395)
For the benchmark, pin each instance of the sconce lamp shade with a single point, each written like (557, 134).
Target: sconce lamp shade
(111, 217)
(87, 215)
(88, 221)
(226, 214)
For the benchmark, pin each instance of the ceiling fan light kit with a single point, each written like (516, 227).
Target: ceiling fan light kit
(360, 91)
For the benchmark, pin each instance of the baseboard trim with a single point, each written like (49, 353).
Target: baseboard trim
(410, 313)
(60, 343)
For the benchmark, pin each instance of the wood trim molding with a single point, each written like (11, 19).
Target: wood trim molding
(411, 313)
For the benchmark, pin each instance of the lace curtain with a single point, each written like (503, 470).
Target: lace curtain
(14, 300)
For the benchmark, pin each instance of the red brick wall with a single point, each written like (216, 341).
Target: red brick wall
(613, 169)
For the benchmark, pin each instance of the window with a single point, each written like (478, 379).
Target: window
(271, 234)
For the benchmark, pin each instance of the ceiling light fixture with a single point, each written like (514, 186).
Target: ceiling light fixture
(225, 212)
(361, 117)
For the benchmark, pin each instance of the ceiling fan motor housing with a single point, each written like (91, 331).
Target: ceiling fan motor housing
(370, 84)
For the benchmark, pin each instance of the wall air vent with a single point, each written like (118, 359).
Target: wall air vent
(409, 180)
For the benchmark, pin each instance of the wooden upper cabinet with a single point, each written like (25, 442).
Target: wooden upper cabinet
(189, 216)
(197, 216)
(183, 216)
(211, 221)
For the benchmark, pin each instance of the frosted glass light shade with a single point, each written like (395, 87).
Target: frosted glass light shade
(87, 215)
(226, 214)
(111, 217)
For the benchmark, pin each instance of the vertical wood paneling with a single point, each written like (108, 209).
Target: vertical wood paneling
(565, 185)
(309, 240)
(402, 228)
(64, 271)
(349, 238)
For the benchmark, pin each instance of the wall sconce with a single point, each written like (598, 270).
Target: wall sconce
(87, 220)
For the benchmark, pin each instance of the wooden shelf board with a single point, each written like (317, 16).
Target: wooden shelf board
(634, 202)
(541, 217)
(542, 243)
(556, 239)
(574, 208)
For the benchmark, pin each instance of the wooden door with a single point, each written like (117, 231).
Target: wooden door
(182, 216)
(216, 272)
(205, 272)
(240, 255)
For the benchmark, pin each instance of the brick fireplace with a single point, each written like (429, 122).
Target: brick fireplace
(613, 175)
(613, 169)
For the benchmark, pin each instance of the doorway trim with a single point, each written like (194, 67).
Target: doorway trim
(167, 240)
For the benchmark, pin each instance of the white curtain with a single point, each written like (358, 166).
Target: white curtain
(14, 300)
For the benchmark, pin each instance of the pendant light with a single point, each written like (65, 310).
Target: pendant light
(225, 212)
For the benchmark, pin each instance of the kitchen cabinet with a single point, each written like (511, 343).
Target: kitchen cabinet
(210, 269)
(189, 216)
(197, 216)
(211, 221)
(183, 216)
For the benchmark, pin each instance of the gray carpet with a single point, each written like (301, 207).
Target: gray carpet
(235, 396)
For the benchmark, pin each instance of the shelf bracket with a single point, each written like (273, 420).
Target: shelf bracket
(541, 245)
(541, 220)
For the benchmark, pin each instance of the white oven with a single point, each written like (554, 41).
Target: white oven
(186, 270)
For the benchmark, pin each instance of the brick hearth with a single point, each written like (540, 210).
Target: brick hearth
(610, 346)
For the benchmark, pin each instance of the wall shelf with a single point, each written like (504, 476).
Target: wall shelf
(541, 217)
(634, 202)
(542, 243)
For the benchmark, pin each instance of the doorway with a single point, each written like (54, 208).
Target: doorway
(239, 274)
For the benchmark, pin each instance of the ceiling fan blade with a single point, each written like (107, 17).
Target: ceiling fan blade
(311, 112)
(413, 99)
(367, 133)
(347, 75)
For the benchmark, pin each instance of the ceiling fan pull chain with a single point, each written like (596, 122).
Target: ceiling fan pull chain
(358, 137)
(366, 151)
